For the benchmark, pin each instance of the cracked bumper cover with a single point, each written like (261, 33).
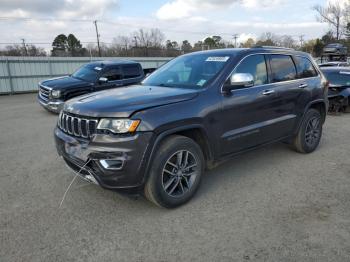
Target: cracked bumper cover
(132, 151)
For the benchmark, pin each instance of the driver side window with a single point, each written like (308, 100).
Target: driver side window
(256, 66)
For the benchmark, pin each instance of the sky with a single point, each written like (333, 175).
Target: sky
(39, 21)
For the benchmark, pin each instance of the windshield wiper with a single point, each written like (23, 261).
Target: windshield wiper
(165, 85)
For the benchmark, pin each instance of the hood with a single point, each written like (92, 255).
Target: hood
(124, 101)
(64, 82)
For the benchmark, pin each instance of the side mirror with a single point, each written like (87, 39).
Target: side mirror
(238, 80)
(103, 80)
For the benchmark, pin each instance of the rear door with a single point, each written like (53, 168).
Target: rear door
(133, 74)
(288, 89)
(309, 80)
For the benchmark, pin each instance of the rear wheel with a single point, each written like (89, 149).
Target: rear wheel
(347, 108)
(175, 173)
(310, 132)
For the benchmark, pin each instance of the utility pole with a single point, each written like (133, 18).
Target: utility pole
(98, 39)
(301, 39)
(235, 37)
(24, 46)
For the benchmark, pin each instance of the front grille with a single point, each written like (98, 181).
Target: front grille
(44, 92)
(76, 125)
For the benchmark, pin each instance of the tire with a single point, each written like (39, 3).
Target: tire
(309, 133)
(347, 108)
(169, 184)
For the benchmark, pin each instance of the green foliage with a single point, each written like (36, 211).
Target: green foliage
(186, 46)
(67, 46)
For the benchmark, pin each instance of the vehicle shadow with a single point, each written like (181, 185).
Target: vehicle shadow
(252, 163)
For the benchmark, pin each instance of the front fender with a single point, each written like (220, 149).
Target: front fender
(159, 137)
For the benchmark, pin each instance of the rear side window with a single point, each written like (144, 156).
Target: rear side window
(304, 67)
(256, 66)
(131, 71)
(113, 74)
(282, 67)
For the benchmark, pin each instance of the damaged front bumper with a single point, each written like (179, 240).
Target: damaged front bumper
(338, 99)
(111, 162)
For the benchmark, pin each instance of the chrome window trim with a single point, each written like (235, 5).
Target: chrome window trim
(288, 81)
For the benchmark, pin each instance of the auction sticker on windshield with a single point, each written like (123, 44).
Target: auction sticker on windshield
(217, 58)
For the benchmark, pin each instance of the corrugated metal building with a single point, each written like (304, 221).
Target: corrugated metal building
(22, 74)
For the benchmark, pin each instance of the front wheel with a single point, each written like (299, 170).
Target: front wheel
(309, 133)
(175, 172)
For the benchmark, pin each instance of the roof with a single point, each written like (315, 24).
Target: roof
(112, 62)
(268, 49)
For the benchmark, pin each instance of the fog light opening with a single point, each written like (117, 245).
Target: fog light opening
(112, 164)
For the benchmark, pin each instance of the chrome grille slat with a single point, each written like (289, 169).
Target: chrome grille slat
(69, 125)
(77, 126)
(44, 92)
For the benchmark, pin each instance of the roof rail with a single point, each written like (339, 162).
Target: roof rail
(272, 47)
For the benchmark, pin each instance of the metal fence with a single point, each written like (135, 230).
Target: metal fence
(22, 74)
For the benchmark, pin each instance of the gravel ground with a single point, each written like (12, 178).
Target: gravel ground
(271, 204)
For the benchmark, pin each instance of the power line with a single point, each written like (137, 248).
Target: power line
(51, 19)
(109, 22)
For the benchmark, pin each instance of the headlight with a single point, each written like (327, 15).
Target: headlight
(118, 126)
(55, 93)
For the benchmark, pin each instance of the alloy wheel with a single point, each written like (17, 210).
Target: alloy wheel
(179, 173)
(313, 131)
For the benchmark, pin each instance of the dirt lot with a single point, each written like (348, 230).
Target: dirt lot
(268, 205)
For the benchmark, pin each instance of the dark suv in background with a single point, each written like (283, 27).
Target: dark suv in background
(190, 114)
(92, 77)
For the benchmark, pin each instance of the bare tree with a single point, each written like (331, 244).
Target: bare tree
(286, 41)
(18, 50)
(250, 42)
(333, 14)
(268, 39)
(123, 42)
(149, 38)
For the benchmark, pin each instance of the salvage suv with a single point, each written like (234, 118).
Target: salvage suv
(192, 113)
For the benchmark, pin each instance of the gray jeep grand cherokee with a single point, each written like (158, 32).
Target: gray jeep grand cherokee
(190, 114)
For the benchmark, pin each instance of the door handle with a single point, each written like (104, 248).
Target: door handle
(268, 92)
(303, 85)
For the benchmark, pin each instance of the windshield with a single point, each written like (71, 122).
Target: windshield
(87, 73)
(191, 71)
(338, 78)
